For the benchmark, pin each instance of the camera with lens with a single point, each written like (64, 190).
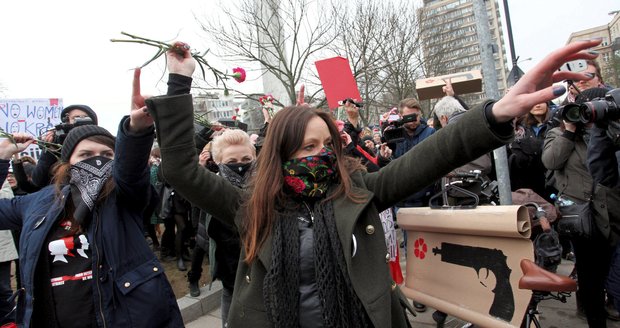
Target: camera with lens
(394, 132)
(596, 110)
(63, 128)
(349, 100)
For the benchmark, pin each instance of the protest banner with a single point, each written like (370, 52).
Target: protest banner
(30, 115)
(466, 262)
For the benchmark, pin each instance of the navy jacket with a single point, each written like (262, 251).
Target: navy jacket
(130, 288)
(422, 132)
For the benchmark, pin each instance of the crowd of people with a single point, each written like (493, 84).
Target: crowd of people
(298, 222)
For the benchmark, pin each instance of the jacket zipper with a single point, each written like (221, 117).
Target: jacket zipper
(97, 268)
(309, 211)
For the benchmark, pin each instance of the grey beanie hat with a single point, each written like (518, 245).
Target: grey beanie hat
(78, 134)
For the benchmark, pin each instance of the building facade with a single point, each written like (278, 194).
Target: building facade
(450, 42)
(213, 106)
(609, 49)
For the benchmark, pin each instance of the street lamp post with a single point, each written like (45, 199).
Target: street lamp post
(515, 73)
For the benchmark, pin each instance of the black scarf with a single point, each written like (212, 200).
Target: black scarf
(340, 305)
(237, 174)
(87, 179)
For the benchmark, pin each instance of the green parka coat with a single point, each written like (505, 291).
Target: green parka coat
(447, 149)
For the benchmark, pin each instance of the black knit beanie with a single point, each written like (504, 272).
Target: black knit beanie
(89, 111)
(78, 134)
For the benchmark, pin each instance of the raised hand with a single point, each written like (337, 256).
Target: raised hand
(300, 97)
(180, 60)
(447, 89)
(139, 118)
(346, 138)
(204, 156)
(536, 87)
(49, 136)
(20, 142)
(266, 115)
(385, 151)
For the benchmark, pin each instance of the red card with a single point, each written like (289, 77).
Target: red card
(338, 81)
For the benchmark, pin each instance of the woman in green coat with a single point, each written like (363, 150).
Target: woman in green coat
(313, 252)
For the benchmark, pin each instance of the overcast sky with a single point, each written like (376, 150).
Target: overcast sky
(61, 49)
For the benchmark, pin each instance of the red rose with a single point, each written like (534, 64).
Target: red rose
(238, 74)
(295, 183)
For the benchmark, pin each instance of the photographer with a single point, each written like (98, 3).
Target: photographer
(71, 116)
(603, 165)
(565, 152)
(525, 152)
(415, 127)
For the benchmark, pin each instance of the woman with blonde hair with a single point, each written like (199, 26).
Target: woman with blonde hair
(234, 154)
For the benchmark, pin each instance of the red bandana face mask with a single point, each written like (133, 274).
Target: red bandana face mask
(311, 176)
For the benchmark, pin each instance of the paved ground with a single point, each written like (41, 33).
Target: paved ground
(554, 314)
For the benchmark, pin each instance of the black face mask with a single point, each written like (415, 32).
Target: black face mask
(87, 179)
(239, 168)
(235, 173)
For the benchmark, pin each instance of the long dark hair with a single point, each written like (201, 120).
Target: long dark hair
(284, 137)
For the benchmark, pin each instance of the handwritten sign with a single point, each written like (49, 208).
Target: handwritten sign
(30, 115)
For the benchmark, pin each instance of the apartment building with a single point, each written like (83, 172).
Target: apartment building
(609, 49)
(450, 42)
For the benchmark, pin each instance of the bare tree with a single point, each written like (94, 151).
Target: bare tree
(403, 53)
(611, 69)
(284, 36)
(382, 41)
(360, 39)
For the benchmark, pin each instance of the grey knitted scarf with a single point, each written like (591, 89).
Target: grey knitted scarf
(340, 305)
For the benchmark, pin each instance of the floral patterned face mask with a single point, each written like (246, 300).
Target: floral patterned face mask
(311, 176)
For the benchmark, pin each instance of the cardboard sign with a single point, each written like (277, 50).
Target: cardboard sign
(337, 80)
(30, 115)
(466, 262)
(462, 83)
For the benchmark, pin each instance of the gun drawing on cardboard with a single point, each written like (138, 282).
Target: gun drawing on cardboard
(493, 260)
